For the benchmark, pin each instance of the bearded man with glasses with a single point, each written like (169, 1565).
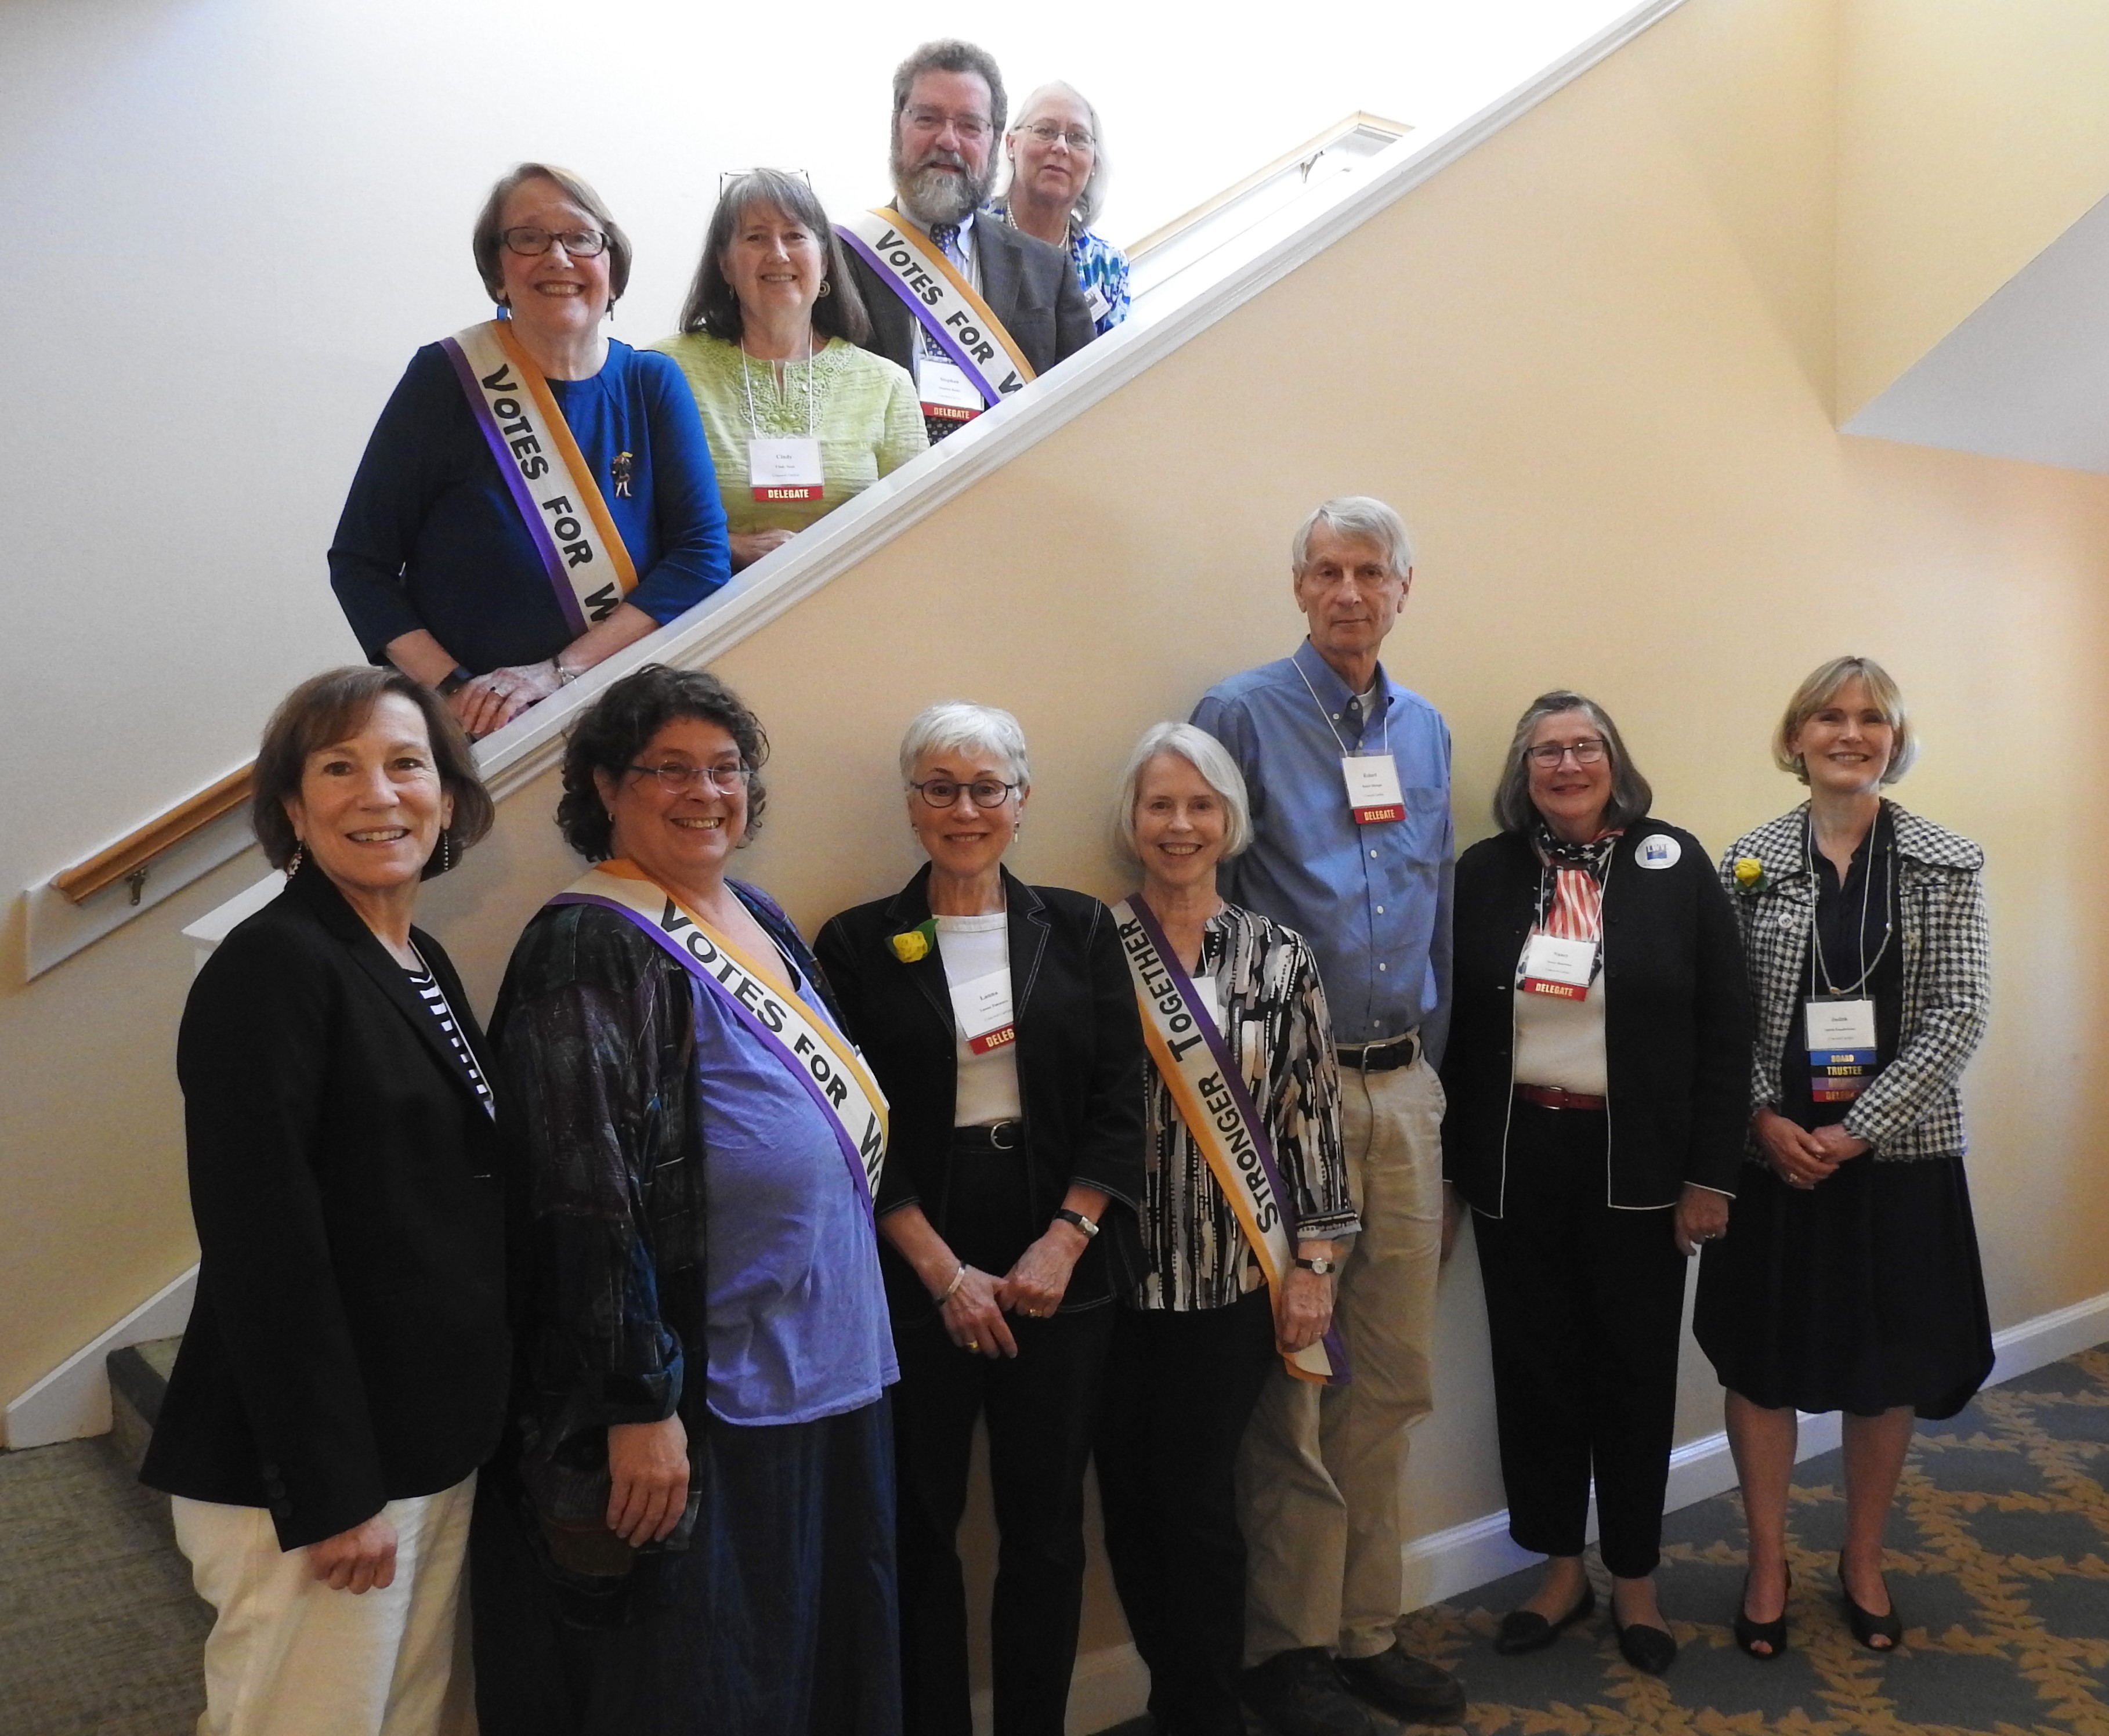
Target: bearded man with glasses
(974, 309)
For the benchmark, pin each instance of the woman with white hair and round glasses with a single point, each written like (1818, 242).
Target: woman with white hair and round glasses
(999, 1021)
(1057, 153)
(1245, 1201)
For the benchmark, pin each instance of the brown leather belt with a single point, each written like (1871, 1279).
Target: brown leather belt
(1382, 1057)
(1551, 1096)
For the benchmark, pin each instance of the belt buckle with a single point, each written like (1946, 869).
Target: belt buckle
(1001, 1145)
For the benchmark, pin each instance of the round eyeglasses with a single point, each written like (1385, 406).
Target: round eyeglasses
(1549, 754)
(984, 792)
(1048, 133)
(529, 242)
(674, 779)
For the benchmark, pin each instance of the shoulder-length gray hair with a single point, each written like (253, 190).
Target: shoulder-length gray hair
(1820, 688)
(952, 725)
(1206, 756)
(1631, 795)
(1094, 194)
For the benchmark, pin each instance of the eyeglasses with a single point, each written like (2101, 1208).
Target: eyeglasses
(529, 242)
(674, 778)
(1048, 133)
(968, 127)
(1549, 754)
(944, 792)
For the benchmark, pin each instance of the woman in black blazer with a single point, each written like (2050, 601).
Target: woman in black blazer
(1000, 1021)
(1596, 1072)
(344, 1371)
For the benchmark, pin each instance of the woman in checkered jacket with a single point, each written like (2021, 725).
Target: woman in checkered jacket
(1848, 1279)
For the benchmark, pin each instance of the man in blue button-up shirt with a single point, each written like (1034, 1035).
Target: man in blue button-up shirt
(1361, 869)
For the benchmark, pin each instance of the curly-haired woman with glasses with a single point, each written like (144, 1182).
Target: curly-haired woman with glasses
(692, 1526)
(1000, 1019)
(536, 495)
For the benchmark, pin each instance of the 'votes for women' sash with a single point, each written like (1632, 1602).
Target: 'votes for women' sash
(1220, 1114)
(941, 299)
(545, 473)
(832, 1072)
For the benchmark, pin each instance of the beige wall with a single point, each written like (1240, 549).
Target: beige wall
(1971, 135)
(1590, 364)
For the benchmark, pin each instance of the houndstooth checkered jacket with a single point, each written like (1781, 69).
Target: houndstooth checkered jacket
(1913, 1109)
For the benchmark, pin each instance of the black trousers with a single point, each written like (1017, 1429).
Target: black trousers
(1584, 1304)
(1180, 1389)
(1041, 1409)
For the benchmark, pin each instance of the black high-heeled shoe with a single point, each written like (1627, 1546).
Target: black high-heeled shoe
(1868, 1627)
(1750, 1634)
(1526, 1631)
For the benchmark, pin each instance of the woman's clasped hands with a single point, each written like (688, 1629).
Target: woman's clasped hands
(1798, 1157)
(974, 1311)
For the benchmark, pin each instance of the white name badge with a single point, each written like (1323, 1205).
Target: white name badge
(1658, 850)
(946, 390)
(1097, 303)
(1558, 967)
(1840, 1026)
(1373, 793)
(982, 1007)
(782, 468)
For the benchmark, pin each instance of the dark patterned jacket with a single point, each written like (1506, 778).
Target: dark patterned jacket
(1913, 1109)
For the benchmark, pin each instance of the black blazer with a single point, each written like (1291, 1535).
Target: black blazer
(1028, 285)
(1080, 1067)
(348, 1344)
(1676, 1026)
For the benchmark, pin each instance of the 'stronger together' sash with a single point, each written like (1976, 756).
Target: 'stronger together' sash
(833, 1073)
(941, 299)
(1220, 1114)
(547, 476)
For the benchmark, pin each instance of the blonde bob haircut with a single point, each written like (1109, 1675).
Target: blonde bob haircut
(483, 240)
(1823, 686)
(1206, 756)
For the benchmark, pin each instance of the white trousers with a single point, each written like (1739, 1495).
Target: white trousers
(289, 1656)
(1319, 1480)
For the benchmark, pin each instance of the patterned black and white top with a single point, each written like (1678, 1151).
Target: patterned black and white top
(1914, 1108)
(428, 989)
(1274, 1023)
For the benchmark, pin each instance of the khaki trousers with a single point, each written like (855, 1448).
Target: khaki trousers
(1319, 1478)
(289, 1656)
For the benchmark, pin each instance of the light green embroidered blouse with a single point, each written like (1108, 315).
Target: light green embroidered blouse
(864, 411)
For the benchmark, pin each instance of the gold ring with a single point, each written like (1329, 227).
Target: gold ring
(973, 1344)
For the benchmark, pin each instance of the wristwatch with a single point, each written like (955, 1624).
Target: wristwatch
(1079, 1219)
(1321, 1265)
(452, 682)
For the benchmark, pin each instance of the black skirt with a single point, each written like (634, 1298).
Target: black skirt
(1859, 1295)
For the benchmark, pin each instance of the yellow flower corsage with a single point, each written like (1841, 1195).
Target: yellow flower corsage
(1750, 875)
(913, 944)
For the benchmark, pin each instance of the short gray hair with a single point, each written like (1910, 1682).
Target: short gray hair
(1362, 516)
(1820, 688)
(1631, 795)
(1094, 194)
(1206, 756)
(953, 724)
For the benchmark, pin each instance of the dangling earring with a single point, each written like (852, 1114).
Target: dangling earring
(446, 851)
(299, 854)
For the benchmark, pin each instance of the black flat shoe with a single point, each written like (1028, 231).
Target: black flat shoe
(1868, 1627)
(1526, 1631)
(1750, 1634)
(1650, 1649)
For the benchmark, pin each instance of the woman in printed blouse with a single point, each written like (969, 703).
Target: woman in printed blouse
(434, 567)
(1848, 1279)
(692, 1526)
(1000, 1021)
(768, 341)
(1194, 1343)
(1057, 152)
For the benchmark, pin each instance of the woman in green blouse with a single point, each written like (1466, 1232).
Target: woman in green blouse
(799, 418)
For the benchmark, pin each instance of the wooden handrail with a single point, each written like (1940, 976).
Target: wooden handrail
(1310, 148)
(132, 854)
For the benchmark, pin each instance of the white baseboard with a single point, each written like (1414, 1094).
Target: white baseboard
(73, 1400)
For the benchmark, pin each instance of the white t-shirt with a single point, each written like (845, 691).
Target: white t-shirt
(1561, 1042)
(974, 947)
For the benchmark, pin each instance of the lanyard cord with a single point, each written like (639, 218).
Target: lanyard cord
(747, 379)
(1816, 960)
(1327, 717)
